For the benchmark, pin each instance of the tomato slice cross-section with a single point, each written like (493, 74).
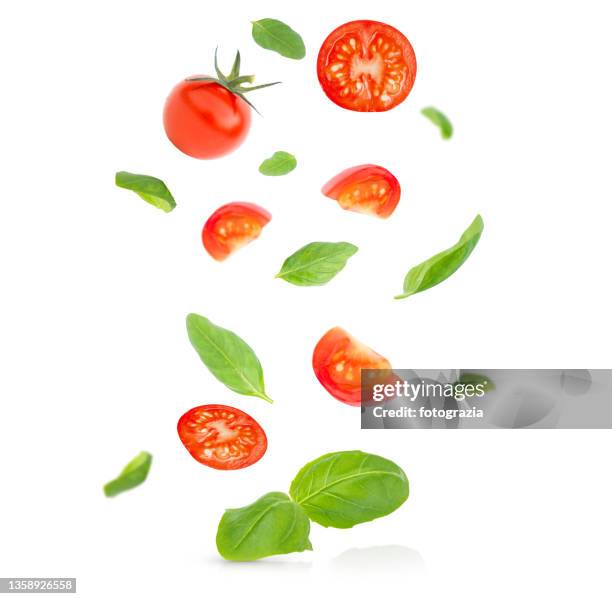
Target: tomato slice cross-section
(232, 226)
(337, 361)
(366, 66)
(222, 437)
(367, 188)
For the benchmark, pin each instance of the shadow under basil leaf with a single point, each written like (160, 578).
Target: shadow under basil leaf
(380, 560)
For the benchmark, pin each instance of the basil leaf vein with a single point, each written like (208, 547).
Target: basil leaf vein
(441, 266)
(439, 119)
(134, 474)
(365, 487)
(275, 35)
(150, 189)
(272, 525)
(280, 163)
(316, 263)
(228, 357)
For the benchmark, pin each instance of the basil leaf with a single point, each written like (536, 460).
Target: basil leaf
(440, 120)
(316, 263)
(134, 474)
(280, 163)
(270, 526)
(442, 265)
(275, 35)
(474, 378)
(227, 356)
(349, 487)
(150, 189)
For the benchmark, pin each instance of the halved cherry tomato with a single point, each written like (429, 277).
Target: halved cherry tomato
(368, 188)
(366, 66)
(337, 361)
(232, 226)
(222, 437)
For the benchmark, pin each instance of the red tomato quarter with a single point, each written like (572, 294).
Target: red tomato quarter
(368, 189)
(205, 120)
(366, 66)
(232, 226)
(222, 437)
(337, 361)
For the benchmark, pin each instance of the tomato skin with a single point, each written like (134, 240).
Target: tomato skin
(205, 120)
(354, 190)
(337, 361)
(233, 225)
(235, 439)
(366, 66)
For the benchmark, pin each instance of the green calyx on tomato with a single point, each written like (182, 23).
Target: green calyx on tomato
(234, 81)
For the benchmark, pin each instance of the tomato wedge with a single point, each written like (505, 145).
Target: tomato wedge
(366, 66)
(368, 188)
(222, 437)
(337, 361)
(233, 226)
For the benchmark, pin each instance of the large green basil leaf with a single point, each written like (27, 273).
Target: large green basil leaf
(442, 265)
(270, 526)
(150, 189)
(134, 474)
(440, 120)
(227, 356)
(316, 263)
(280, 163)
(275, 35)
(349, 487)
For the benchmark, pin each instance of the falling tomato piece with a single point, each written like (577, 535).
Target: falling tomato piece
(233, 226)
(338, 359)
(368, 189)
(366, 66)
(222, 437)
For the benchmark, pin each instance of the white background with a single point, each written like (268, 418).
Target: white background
(95, 362)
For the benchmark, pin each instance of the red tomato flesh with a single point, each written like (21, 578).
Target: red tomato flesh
(222, 437)
(233, 226)
(366, 66)
(205, 120)
(338, 359)
(369, 189)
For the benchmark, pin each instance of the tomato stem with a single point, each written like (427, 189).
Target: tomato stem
(234, 82)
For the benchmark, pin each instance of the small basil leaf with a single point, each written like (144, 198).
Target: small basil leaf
(275, 35)
(227, 356)
(150, 189)
(442, 265)
(272, 525)
(474, 378)
(349, 487)
(280, 163)
(134, 474)
(316, 263)
(440, 120)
